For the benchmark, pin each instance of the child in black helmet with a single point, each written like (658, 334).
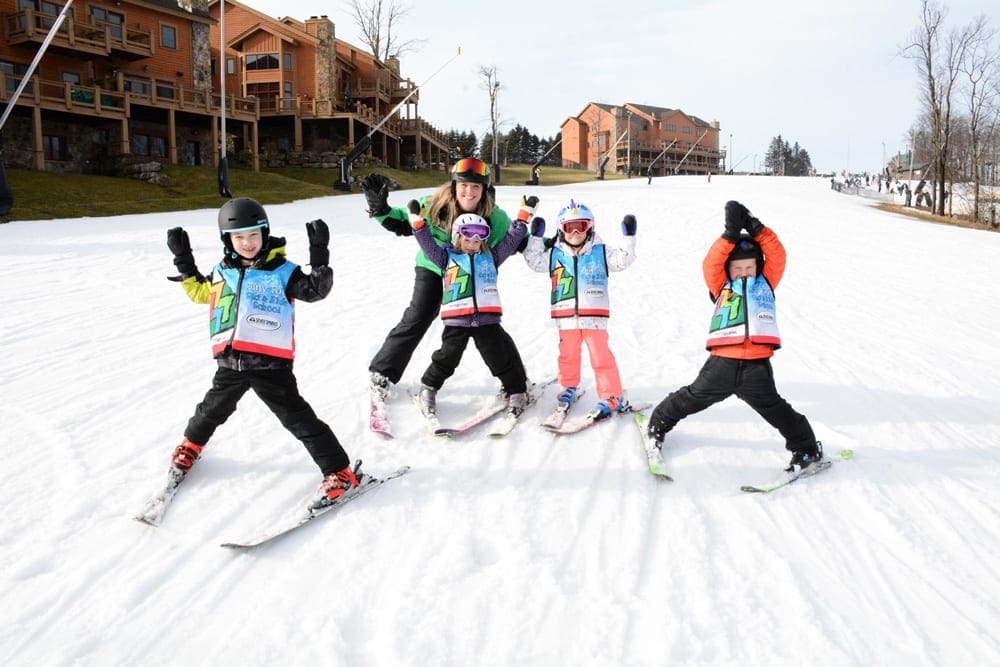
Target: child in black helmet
(251, 296)
(742, 271)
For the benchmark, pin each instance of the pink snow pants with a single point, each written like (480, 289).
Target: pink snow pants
(609, 383)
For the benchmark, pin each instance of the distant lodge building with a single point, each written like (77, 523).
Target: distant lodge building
(639, 139)
(903, 167)
(140, 79)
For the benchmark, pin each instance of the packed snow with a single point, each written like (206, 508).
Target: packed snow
(534, 549)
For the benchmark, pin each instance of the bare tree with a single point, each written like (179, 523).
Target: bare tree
(492, 87)
(982, 70)
(378, 21)
(937, 58)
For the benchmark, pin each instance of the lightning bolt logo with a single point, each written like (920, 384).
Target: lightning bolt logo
(221, 300)
(731, 310)
(456, 283)
(563, 283)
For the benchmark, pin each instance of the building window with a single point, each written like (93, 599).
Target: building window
(267, 94)
(49, 11)
(168, 37)
(670, 127)
(143, 144)
(230, 66)
(258, 61)
(113, 21)
(164, 90)
(15, 72)
(54, 147)
(287, 59)
(69, 77)
(686, 129)
(137, 87)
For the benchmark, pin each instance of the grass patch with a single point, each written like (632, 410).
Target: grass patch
(42, 195)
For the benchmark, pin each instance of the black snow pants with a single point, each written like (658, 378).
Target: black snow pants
(752, 381)
(279, 391)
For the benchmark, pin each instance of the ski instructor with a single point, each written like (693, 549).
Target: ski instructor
(467, 192)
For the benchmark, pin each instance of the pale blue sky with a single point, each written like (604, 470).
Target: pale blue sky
(824, 74)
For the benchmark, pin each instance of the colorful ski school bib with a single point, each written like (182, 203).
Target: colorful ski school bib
(744, 310)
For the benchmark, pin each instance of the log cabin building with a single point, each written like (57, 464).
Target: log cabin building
(140, 79)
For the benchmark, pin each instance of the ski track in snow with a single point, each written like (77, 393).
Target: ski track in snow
(533, 549)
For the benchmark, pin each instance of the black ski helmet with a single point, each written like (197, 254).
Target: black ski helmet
(239, 215)
(747, 248)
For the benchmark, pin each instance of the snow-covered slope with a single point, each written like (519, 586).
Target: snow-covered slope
(532, 550)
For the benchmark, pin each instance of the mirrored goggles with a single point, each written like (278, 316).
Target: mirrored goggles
(471, 166)
(474, 232)
(576, 226)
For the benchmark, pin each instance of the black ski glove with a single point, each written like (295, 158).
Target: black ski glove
(538, 226)
(736, 213)
(319, 243)
(376, 189)
(180, 245)
(753, 225)
(397, 226)
(629, 225)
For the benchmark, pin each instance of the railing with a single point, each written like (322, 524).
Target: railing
(95, 100)
(374, 88)
(319, 108)
(425, 128)
(29, 25)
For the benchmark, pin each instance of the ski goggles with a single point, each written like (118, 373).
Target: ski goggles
(576, 226)
(470, 166)
(474, 232)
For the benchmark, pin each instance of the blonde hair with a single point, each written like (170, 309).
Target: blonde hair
(442, 207)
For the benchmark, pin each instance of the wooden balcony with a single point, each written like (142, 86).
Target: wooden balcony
(131, 91)
(413, 126)
(78, 38)
(404, 88)
(312, 109)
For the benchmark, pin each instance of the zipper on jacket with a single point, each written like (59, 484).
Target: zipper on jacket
(746, 310)
(236, 311)
(576, 277)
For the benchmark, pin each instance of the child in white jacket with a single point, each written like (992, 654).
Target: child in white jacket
(578, 263)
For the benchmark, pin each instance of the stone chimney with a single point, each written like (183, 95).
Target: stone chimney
(326, 56)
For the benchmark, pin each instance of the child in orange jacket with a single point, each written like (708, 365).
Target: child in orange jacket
(742, 271)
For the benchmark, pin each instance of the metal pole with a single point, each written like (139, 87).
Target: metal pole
(223, 171)
(628, 152)
(360, 147)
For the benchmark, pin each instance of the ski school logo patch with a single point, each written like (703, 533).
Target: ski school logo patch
(263, 322)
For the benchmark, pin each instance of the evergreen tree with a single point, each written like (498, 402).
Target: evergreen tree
(787, 160)
(462, 144)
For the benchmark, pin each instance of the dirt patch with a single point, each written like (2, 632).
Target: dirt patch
(924, 214)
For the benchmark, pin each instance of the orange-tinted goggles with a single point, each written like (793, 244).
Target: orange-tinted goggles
(470, 165)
